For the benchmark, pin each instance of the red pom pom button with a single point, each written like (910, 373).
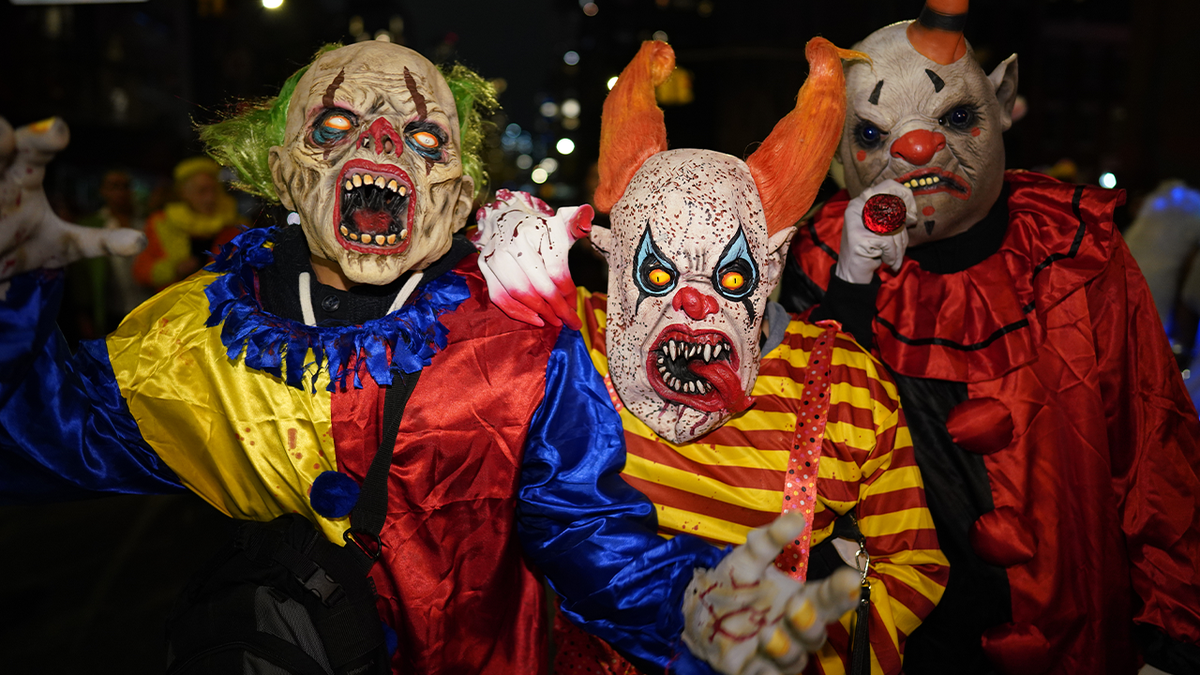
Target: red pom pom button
(884, 213)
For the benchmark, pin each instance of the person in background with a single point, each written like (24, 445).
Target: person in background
(102, 291)
(180, 236)
(1165, 241)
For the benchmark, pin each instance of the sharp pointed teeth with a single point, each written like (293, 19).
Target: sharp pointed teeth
(391, 239)
(392, 185)
(662, 369)
(717, 351)
(353, 236)
(708, 352)
(660, 358)
(349, 185)
(357, 180)
(673, 349)
(403, 234)
(380, 181)
(691, 387)
(379, 239)
(345, 231)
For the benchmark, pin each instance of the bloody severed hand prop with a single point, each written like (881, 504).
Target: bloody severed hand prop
(523, 246)
(746, 616)
(31, 235)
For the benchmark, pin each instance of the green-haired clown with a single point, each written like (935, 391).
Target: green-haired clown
(365, 146)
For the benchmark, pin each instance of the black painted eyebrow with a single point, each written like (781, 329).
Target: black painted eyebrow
(874, 99)
(938, 83)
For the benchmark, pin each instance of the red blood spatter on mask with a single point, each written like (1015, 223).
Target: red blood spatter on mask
(976, 131)
(372, 222)
(884, 213)
(729, 386)
(928, 210)
(862, 154)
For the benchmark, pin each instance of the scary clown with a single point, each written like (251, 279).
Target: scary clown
(1058, 446)
(733, 413)
(258, 383)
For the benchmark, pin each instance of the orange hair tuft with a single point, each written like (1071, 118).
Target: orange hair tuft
(791, 163)
(631, 127)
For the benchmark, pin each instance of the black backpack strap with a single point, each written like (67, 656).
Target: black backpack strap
(370, 512)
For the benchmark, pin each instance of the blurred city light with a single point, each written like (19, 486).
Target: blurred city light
(1108, 180)
(272, 4)
(660, 35)
(612, 82)
(549, 165)
(571, 58)
(524, 162)
(565, 146)
(549, 109)
(590, 8)
(570, 108)
(539, 175)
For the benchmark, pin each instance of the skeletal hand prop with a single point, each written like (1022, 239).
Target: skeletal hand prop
(523, 246)
(31, 236)
(863, 251)
(748, 617)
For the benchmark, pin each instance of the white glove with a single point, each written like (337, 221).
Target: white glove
(863, 251)
(523, 246)
(734, 615)
(31, 236)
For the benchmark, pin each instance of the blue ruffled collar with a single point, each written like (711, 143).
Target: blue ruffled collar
(280, 346)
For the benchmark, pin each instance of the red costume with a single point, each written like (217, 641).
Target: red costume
(1057, 443)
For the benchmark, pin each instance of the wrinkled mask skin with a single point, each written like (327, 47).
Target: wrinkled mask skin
(934, 128)
(690, 268)
(371, 161)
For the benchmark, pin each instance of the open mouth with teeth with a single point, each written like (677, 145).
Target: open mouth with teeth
(929, 181)
(374, 208)
(697, 369)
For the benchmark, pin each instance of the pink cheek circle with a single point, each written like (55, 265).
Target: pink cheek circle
(976, 131)
(928, 210)
(862, 154)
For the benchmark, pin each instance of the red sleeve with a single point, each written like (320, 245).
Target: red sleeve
(1153, 437)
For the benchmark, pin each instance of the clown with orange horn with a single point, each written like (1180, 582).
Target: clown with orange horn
(744, 428)
(1058, 445)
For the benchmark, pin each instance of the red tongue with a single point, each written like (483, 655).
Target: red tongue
(727, 382)
(372, 222)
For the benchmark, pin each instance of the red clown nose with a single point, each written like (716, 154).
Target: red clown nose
(694, 303)
(918, 147)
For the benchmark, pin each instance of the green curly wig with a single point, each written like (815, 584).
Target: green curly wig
(243, 142)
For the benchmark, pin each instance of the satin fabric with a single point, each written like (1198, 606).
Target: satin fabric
(65, 431)
(234, 434)
(985, 321)
(595, 537)
(452, 581)
(1095, 520)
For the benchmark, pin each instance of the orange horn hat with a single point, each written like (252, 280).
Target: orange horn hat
(631, 126)
(791, 163)
(938, 33)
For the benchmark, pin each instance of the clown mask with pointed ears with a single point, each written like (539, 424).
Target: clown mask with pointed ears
(697, 243)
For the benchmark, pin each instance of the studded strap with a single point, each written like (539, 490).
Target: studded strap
(800, 481)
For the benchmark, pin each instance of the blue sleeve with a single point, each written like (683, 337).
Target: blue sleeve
(592, 535)
(65, 430)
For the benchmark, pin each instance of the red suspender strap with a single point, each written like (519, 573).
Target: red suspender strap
(800, 481)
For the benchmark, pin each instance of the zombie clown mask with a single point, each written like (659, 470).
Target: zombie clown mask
(371, 161)
(697, 243)
(924, 114)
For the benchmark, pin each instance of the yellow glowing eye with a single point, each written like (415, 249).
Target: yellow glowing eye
(660, 277)
(338, 122)
(732, 281)
(426, 140)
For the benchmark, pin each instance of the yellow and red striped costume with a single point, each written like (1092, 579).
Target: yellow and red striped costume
(730, 481)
